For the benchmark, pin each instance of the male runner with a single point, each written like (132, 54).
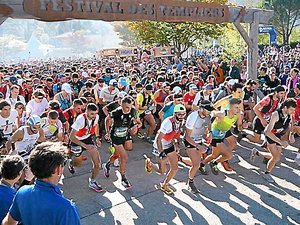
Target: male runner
(166, 147)
(220, 128)
(280, 123)
(120, 123)
(84, 127)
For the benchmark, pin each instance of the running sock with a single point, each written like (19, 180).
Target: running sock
(191, 180)
(123, 176)
(257, 153)
(92, 180)
(215, 163)
(202, 165)
(107, 165)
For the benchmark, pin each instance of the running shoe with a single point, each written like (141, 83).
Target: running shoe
(227, 166)
(253, 154)
(140, 135)
(268, 177)
(116, 163)
(149, 140)
(96, 187)
(192, 188)
(241, 135)
(105, 170)
(126, 183)
(166, 189)
(148, 163)
(203, 170)
(70, 166)
(214, 168)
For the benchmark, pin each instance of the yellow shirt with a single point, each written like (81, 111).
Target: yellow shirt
(140, 101)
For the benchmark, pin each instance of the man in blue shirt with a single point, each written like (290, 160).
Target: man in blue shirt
(43, 202)
(11, 170)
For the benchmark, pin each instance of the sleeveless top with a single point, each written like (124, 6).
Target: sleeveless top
(219, 128)
(282, 125)
(26, 145)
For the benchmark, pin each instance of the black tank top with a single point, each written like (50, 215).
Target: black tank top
(281, 126)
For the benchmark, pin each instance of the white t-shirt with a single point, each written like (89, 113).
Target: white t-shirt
(197, 124)
(166, 128)
(99, 89)
(7, 124)
(34, 108)
(79, 124)
(50, 130)
(13, 101)
(107, 95)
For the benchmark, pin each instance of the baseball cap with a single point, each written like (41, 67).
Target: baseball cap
(67, 88)
(113, 82)
(54, 104)
(216, 59)
(122, 81)
(205, 104)
(87, 94)
(232, 82)
(34, 120)
(13, 80)
(166, 84)
(209, 87)
(177, 89)
(179, 108)
(85, 74)
(193, 87)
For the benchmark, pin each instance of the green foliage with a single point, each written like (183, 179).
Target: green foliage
(128, 38)
(286, 16)
(233, 43)
(180, 35)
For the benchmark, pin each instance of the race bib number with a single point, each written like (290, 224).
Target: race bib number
(121, 132)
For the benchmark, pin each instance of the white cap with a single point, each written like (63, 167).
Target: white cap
(67, 88)
(177, 89)
(113, 82)
(216, 59)
(232, 81)
(85, 74)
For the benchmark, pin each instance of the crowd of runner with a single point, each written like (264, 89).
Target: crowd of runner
(202, 105)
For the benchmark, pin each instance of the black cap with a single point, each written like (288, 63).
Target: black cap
(205, 104)
(54, 105)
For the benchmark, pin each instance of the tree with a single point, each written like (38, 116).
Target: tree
(180, 35)
(286, 16)
(129, 39)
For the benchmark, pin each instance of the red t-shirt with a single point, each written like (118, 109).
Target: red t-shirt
(265, 102)
(188, 98)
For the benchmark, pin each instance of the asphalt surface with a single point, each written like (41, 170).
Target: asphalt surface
(240, 197)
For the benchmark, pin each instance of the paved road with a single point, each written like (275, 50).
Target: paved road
(241, 197)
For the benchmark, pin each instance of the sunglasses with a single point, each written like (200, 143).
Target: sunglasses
(40, 98)
(20, 107)
(179, 99)
(181, 114)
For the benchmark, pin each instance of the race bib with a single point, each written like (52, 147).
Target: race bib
(121, 132)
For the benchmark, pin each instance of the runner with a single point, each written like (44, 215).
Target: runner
(146, 105)
(279, 125)
(52, 127)
(224, 121)
(166, 147)
(263, 111)
(197, 128)
(8, 124)
(84, 127)
(24, 140)
(119, 124)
